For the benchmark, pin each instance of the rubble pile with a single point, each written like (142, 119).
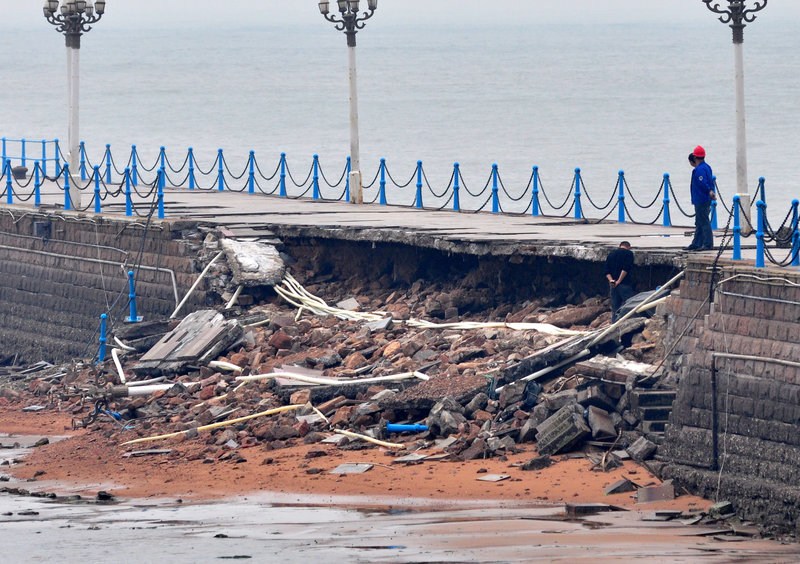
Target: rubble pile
(464, 385)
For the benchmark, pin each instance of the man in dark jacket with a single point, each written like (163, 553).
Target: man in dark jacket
(702, 194)
(619, 268)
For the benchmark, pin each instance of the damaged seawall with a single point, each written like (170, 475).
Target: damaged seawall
(733, 433)
(59, 272)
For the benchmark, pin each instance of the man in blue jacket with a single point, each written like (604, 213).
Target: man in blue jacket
(702, 194)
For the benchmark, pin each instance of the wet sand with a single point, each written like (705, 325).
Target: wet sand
(270, 507)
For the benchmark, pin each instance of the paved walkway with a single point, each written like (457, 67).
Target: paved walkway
(257, 215)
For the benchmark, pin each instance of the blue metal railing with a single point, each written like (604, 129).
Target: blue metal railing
(145, 183)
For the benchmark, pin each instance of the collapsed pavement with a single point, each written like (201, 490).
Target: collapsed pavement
(480, 389)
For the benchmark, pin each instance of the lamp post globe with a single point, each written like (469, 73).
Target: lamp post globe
(350, 22)
(737, 15)
(73, 18)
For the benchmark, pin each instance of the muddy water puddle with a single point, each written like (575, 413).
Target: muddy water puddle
(272, 527)
(267, 528)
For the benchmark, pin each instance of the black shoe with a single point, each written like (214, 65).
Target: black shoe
(691, 248)
(705, 248)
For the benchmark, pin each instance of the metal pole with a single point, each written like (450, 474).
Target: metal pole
(73, 68)
(741, 134)
(356, 188)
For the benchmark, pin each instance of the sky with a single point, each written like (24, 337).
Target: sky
(402, 12)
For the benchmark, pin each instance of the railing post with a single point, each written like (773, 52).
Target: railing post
(796, 248)
(5, 152)
(24, 158)
(251, 177)
(418, 199)
(762, 188)
(795, 234)
(762, 212)
(108, 164)
(315, 178)
(191, 169)
(621, 197)
(133, 317)
(737, 228)
(220, 171)
(101, 352)
(97, 207)
(134, 166)
(57, 149)
(667, 219)
(282, 191)
(82, 152)
(9, 185)
(535, 193)
(160, 183)
(578, 209)
(456, 187)
(714, 221)
(495, 190)
(44, 157)
(128, 199)
(348, 165)
(382, 185)
(37, 187)
(67, 199)
(162, 157)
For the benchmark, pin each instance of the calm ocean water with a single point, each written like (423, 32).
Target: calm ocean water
(603, 98)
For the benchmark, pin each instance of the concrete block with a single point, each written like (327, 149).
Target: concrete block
(642, 449)
(562, 431)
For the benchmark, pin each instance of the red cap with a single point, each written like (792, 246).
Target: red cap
(699, 152)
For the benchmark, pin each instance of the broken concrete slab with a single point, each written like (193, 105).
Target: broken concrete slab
(663, 492)
(621, 486)
(642, 449)
(538, 463)
(200, 337)
(583, 509)
(351, 468)
(493, 477)
(253, 263)
(601, 424)
(563, 430)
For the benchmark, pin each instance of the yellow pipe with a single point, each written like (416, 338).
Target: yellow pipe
(216, 425)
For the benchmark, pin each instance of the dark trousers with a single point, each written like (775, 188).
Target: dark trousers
(703, 236)
(619, 295)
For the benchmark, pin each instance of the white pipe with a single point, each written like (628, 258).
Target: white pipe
(196, 283)
(115, 356)
(146, 382)
(123, 346)
(235, 297)
(147, 390)
(222, 365)
(549, 369)
(330, 381)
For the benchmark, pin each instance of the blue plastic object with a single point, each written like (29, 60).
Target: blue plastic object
(412, 428)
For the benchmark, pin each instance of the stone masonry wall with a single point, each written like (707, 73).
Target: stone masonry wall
(754, 408)
(59, 272)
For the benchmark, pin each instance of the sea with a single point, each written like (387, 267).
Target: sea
(601, 97)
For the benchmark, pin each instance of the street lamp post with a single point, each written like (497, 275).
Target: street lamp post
(73, 18)
(737, 16)
(350, 22)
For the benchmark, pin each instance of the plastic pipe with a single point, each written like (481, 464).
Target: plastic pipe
(194, 286)
(331, 381)
(275, 411)
(398, 428)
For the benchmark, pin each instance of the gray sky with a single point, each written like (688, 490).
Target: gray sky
(467, 12)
